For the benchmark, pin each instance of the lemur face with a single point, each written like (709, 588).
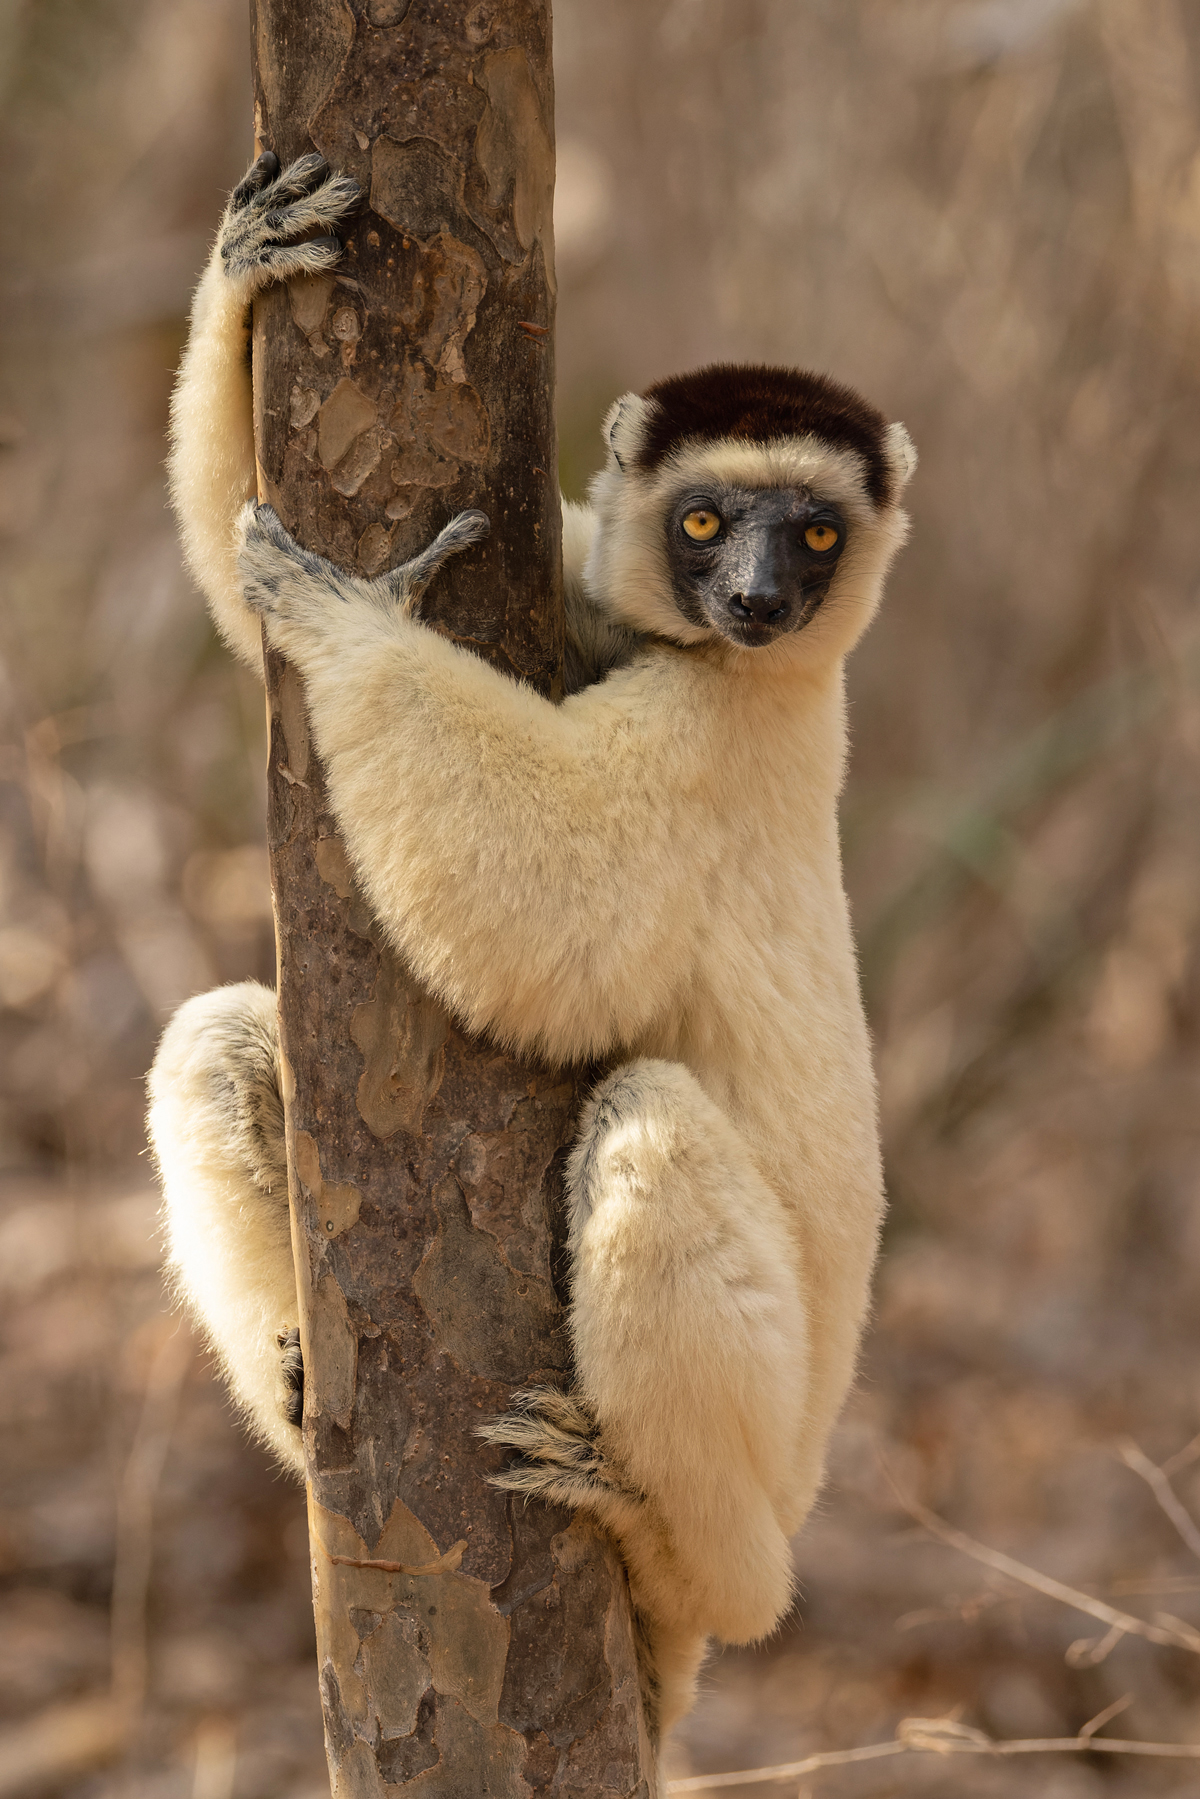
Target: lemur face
(741, 504)
(752, 563)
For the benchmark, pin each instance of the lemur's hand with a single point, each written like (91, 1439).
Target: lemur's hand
(291, 587)
(267, 211)
(280, 579)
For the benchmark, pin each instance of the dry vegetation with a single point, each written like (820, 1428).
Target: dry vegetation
(987, 214)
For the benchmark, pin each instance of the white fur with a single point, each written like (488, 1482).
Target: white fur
(211, 465)
(229, 1246)
(648, 872)
(681, 1258)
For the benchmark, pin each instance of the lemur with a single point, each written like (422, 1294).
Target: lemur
(645, 875)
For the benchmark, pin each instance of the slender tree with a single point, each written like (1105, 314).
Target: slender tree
(466, 1645)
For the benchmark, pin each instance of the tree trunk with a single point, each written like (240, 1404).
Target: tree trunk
(494, 1654)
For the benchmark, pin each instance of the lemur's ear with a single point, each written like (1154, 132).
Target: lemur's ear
(901, 455)
(623, 427)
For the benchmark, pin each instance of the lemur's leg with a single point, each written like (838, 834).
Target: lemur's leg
(212, 431)
(690, 1352)
(216, 1124)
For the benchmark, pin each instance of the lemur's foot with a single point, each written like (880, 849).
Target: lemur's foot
(283, 581)
(267, 211)
(290, 1395)
(559, 1457)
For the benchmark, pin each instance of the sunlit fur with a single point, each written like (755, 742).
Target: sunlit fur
(647, 874)
(211, 465)
(216, 1122)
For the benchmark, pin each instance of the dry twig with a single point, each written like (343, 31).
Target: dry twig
(960, 1611)
(944, 1736)
(135, 1515)
(64, 1740)
(1168, 1632)
(216, 1760)
(1183, 1458)
(1159, 1484)
(1150, 1584)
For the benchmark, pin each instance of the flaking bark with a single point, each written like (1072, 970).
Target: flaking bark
(495, 1654)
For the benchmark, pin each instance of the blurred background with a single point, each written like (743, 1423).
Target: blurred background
(984, 213)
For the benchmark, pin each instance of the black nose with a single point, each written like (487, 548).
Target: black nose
(759, 608)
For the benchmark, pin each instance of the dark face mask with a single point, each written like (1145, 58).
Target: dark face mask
(752, 563)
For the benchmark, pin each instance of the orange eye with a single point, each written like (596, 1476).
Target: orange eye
(820, 537)
(702, 524)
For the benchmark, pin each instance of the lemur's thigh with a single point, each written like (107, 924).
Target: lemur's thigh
(216, 1124)
(690, 1335)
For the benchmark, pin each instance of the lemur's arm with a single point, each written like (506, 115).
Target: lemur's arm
(527, 858)
(212, 429)
(211, 464)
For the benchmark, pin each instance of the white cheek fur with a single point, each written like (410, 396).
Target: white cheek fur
(627, 573)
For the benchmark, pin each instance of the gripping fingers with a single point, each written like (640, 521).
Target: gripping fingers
(290, 1391)
(299, 178)
(280, 579)
(254, 180)
(556, 1452)
(312, 258)
(269, 211)
(554, 1440)
(408, 582)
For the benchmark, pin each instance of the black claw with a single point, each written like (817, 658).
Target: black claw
(291, 1377)
(264, 169)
